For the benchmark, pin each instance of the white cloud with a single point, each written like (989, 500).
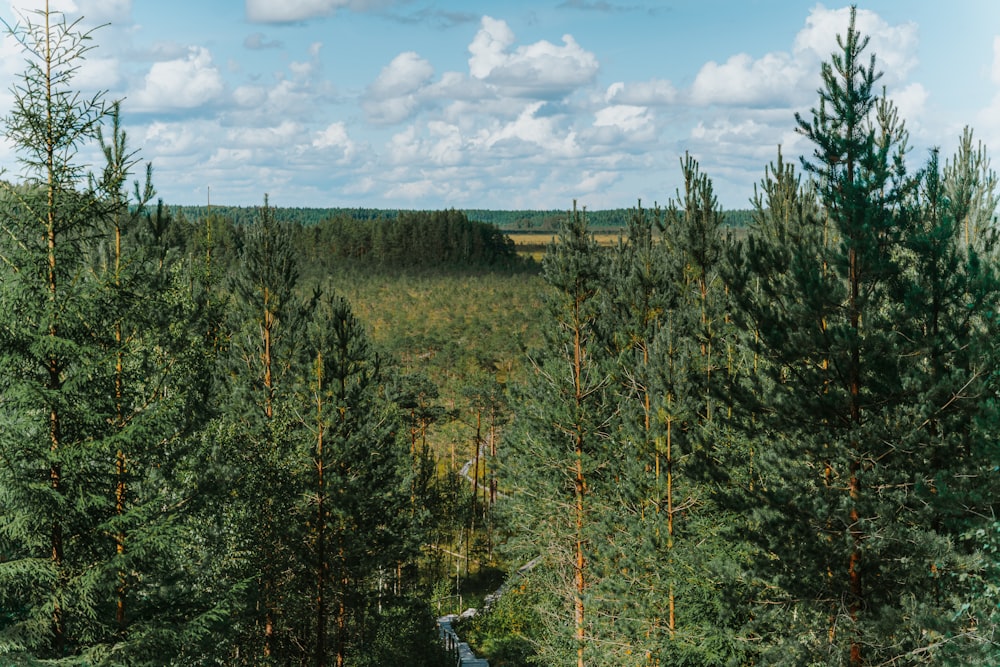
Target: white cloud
(728, 131)
(438, 144)
(291, 11)
(541, 70)
(987, 124)
(406, 74)
(288, 11)
(250, 96)
(488, 47)
(894, 46)
(627, 117)
(393, 96)
(177, 139)
(773, 80)
(336, 139)
(591, 181)
(447, 143)
(910, 102)
(185, 83)
(788, 79)
(529, 134)
(99, 74)
(458, 86)
(655, 92)
(285, 135)
(231, 158)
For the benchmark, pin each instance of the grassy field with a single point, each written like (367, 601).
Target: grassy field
(533, 244)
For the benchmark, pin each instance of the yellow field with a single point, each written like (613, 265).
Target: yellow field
(533, 244)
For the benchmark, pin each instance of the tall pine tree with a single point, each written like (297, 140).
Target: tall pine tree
(847, 305)
(555, 459)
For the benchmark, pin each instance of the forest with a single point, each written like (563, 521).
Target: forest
(269, 436)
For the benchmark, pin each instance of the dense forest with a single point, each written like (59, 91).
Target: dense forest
(260, 436)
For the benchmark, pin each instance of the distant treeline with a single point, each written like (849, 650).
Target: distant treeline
(526, 220)
(413, 239)
(616, 218)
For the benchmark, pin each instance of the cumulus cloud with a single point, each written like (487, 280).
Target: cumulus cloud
(287, 98)
(284, 135)
(542, 70)
(394, 95)
(439, 144)
(596, 181)
(530, 133)
(773, 80)
(98, 74)
(910, 101)
(336, 139)
(500, 76)
(789, 78)
(174, 139)
(458, 86)
(627, 118)
(655, 92)
(894, 46)
(407, 73)
(185, 83)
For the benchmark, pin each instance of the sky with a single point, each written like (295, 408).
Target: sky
(512, 104)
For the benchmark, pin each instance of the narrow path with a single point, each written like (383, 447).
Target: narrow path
(463, 653)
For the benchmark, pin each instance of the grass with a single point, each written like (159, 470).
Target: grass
(534, 244)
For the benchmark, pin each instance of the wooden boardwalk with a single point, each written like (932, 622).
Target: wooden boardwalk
(462, 652)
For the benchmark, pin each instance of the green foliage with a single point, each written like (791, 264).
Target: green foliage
(227, 440)
(101, 389)
(557, 464)
(508, 630)
(857, 308)
(411, 239)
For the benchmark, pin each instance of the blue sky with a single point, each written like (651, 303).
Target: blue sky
(503, 104)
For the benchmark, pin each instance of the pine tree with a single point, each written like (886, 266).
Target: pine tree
(98, 391)
(47, 409)
(267, 316)
(642, 293)
(357, 493)
(555, 460)
(971, 187)
(844, 322)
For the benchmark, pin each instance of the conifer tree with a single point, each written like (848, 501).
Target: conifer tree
(843, 304)
(971, 187)
(97, 390)
(695, 369)
(642, 292)
(267, 316)
(555, 461)
(46, 224)
(357, 494)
